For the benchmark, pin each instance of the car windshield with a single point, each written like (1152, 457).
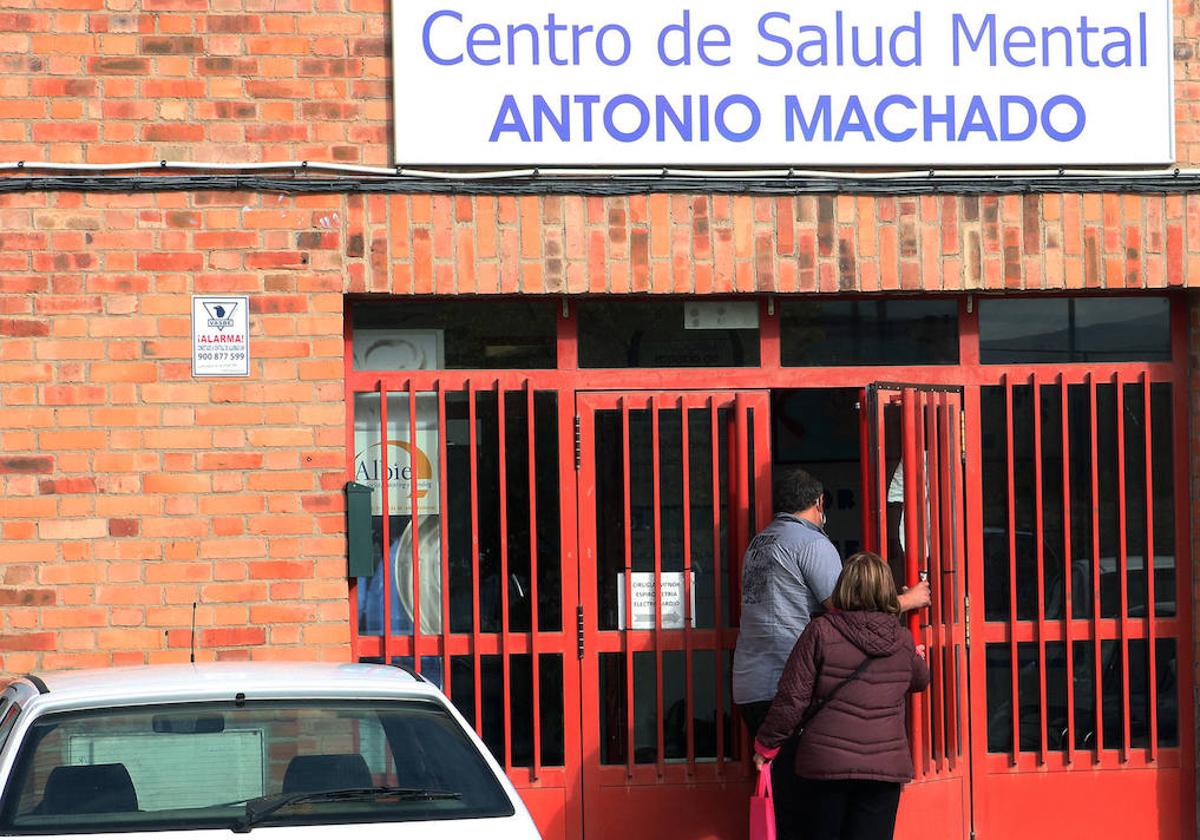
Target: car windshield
(258, 763)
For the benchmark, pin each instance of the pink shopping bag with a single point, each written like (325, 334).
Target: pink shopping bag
(762, 807)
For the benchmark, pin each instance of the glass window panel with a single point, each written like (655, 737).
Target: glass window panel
(645, 716)
(666, 334)
(1000, 540)
(1053, 567)
(1166, 678)
(1058, 330)
(704, 701)
(1085, 695)
(1056, 696)
(1112, 702)
(613, 708)
(1139, 693)
(1135, 500)
(479, 334)
(1163, 486)
(610, 514)
(1028, 696)
(868, 332)
(550, 690)
(674, 711)
(1080, 443)
(999, 698)
(1108, 513)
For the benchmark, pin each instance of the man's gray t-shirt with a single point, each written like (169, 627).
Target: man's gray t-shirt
(790, 567)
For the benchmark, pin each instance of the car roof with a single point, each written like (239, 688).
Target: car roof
(225, 680)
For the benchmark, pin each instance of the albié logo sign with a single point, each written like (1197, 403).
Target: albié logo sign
(404, 458)
(406, 463)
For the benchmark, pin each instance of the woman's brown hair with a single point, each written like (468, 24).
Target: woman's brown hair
(866, 584)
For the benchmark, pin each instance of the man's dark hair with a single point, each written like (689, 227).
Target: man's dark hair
(796, 490)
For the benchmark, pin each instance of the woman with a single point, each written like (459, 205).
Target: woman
(845, 685)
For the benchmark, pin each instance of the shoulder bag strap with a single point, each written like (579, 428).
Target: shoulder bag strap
(820, 703)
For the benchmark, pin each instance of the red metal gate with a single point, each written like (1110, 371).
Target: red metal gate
(476, 577)
(1081, 604)
(671, 488)
(914, 471)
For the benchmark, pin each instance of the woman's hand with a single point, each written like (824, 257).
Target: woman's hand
(921, 651)
(759, 761)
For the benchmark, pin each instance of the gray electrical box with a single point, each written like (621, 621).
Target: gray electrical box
(360, 561)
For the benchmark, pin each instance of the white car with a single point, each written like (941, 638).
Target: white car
(285, 750)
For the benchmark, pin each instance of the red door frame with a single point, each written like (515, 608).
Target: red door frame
(690, 797)
(967, 373)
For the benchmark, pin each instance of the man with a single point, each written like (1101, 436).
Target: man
(788, 576)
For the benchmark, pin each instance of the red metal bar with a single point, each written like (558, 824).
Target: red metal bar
(385, 502)
(1039, 517)
(740, 475)
(1179, 400)
(1151, 653)
(718, 618)
(1012, 568)
(1122, 561)
(686, 481)
(656, 530)
(627, 514)
(476, 632)
(864, 471)
(936, 438)
(505, 669)
(1068, 593)
(414, 523)
(531, 446)
(444, 538)
(352, 401)
(921, 559)
(947, 581)
(1097, 647)
(881, 476)
(912, 476)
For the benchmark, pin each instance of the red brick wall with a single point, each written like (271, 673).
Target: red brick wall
(128, 490)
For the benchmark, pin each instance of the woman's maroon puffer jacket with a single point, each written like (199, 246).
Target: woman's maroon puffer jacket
(859, 734)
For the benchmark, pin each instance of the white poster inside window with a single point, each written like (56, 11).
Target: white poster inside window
(407, 461)
(708, 83)
(671, 597)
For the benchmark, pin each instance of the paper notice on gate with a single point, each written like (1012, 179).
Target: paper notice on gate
(642, 584)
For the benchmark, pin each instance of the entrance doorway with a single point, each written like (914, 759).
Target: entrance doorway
(561, 550)
(671, 485)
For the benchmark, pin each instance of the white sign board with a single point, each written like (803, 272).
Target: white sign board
(220, 336)
(643, 600)
(868, 83)
(407, 461)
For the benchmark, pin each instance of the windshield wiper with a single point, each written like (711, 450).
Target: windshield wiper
(261, 807)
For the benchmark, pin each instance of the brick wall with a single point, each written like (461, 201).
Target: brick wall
(128, 490)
